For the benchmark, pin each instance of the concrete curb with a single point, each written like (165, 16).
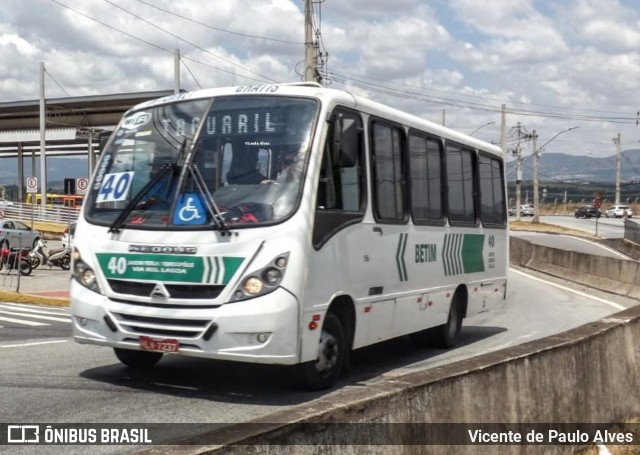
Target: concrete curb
(8, 296)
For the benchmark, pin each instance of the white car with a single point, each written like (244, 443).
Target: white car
(618, 211)
(67, 236)
(525, 210)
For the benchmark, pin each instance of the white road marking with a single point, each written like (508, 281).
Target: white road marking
(35, 316)
(22, 321)
(582, 294)
(32, 309)
(24, 345)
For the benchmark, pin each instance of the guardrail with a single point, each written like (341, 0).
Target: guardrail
(631, 231)
(36, 213)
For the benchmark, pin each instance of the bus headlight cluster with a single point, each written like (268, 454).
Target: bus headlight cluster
(83, 273)
(262, 281)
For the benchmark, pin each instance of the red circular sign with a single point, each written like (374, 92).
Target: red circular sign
(597, 203)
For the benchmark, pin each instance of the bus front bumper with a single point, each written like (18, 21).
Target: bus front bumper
(260, 330)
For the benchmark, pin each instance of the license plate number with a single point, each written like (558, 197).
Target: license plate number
(166, 345)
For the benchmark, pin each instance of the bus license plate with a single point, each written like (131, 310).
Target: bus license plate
(166, 345)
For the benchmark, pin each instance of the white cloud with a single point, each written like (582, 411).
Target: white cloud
(465, 56)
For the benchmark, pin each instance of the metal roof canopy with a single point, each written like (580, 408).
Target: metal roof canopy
(86, 115)
(83, 112)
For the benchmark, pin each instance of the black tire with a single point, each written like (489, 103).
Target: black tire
(35, 262)
(25, 267)
(324, 372)
(65, 263)
(443, 336)
(137, 359)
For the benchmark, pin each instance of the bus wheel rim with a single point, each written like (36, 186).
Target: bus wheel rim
(327, 352)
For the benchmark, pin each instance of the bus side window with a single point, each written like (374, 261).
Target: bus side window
(340, 197)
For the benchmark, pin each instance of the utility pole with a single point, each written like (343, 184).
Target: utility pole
(618, 146)
(518, 172)
(310, 56)
(503, 132)
(536, 194)
(43, 142)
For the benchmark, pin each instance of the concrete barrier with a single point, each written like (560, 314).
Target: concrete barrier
(614, 275)
(588, 374)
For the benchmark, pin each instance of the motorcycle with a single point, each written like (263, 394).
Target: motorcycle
(14, 259)
(59, 257)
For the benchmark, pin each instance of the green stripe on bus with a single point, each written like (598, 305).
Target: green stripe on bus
(463, 253)
(402, 267)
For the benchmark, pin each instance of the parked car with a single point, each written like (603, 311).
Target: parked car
(618, 211)
(525, 210)
(67, 235)
(15, 233)
(587, 211)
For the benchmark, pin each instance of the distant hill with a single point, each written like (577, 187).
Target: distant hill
(58, 169)
(553, 167)
(581, 169)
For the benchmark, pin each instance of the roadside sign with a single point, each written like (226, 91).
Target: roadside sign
(32, 185)
(81, 186)
(597, 203)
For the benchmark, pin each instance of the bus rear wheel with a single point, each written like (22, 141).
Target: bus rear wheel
(137, 359)
(323, 372)
(445, 335)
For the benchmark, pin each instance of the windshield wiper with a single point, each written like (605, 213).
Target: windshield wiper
(119, 221)
(212, 207)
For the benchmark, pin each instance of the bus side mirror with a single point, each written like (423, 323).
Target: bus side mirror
(345, 142)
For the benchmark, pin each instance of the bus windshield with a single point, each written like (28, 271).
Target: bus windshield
(181, 165)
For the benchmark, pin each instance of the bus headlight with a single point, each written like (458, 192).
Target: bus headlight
(252, 285)
(84, 274)
(263, 281)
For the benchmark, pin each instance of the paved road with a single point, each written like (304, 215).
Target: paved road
(20, 322)
(57, 380)
(611, 228)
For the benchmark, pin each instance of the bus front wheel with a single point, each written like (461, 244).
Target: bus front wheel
(137, 359)
(323, 372)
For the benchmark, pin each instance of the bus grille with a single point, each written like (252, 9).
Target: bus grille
(162, 327)
(176, 291)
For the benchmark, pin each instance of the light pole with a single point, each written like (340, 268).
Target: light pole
(536, 155)
(616, 141)
(481, 126)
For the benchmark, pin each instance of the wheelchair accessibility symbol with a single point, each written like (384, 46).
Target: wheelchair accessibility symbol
(189, 210)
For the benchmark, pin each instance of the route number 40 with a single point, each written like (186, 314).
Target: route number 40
(115, 187)
(117, 265)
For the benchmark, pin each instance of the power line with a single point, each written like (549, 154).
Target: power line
(447, 101)
(188, 42)
(145, 41)
(191, 73)
(217, 29)
(56, 82)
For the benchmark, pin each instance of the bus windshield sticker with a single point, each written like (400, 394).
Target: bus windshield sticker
(189, 210)
(115, 187)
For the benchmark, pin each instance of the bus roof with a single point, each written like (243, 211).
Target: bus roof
(329, 97)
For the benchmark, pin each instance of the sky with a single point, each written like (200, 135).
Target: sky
(553, 64)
